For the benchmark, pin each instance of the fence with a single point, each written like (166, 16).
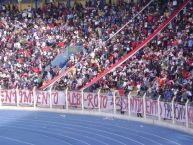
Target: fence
(110, 103)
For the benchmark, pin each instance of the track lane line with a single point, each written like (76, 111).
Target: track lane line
(16, 140)
(94, 129)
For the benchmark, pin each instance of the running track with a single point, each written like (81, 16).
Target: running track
(46, 128)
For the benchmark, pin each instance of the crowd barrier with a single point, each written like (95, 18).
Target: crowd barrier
(144, 106)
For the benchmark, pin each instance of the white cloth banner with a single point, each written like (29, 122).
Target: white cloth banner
(90, 100)
(26, 97)
(42, 98)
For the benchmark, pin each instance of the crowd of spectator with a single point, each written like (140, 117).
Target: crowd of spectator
(163, 67)
(31, 39)
(99, 53)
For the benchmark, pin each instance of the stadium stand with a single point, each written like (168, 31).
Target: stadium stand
(31, 39)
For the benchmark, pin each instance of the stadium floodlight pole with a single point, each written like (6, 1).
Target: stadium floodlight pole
(144, 106)
(82, 98)
(128, 22)
(158, 107)
(66, 94)
(187, 117)
(99, 100)
(173, 112)
(34, 96)
(69, 69)
(51, 97)
(129, 103)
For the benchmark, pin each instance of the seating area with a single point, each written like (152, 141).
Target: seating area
(163, 67)
(101, 52)
(31, 39)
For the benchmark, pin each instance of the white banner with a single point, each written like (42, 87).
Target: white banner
(90, 100)
(136, 104)
(42, 98)
(26, 97)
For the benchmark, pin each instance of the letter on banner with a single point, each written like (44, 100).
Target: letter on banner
(179, 111)
(58, 98)
(90, 100)
(8, 96)
(106, 102)
(25, 97)
(121, 103)
(136, 105)
(74, 99)
(151, 107)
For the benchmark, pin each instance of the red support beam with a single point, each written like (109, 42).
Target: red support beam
(52, 81)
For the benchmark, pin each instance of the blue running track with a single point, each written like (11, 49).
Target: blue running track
(44, 128)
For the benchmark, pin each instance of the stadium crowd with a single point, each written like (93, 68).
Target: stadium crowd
(172, 76)
(164, 67)
(31, 39)
(99, 57)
